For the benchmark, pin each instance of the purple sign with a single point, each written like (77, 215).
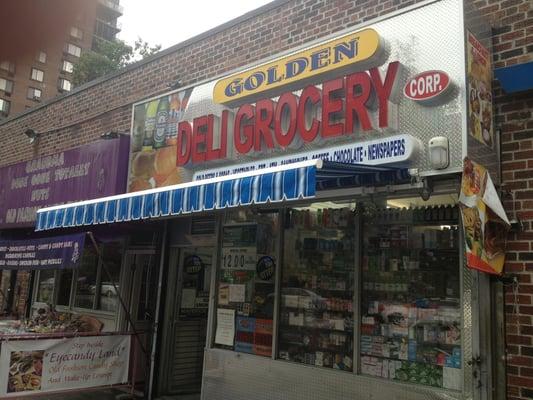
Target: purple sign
(58, 252)
(88, 172)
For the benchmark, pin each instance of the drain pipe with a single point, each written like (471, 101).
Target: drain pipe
(157, 311)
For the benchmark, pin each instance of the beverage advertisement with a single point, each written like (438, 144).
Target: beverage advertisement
(479, 81)
(154, 142)
(485, 223)
(35, 366)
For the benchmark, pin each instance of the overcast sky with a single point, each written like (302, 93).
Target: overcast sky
(168, 22)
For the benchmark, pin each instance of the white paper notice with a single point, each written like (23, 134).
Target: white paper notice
(188, 298)
(237, 293)
(225, 327)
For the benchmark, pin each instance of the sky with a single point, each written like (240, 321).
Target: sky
(168, 22)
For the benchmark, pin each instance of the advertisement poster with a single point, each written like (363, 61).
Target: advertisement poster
(479, 79)
(154, 142)
(36, 366)
(58, 252)
(225, 332)
(83, 173)
(485, 223)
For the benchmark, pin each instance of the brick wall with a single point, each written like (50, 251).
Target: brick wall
(513, 43)
(81, 117)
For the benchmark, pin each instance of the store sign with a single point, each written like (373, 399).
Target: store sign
(393, 149)
(87, 172)
(31, 367)
(58, 252)
(239, 258)
(348, 50)
(291, 121)
(427, 86)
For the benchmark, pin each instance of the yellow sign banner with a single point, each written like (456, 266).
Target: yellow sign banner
(360, 47)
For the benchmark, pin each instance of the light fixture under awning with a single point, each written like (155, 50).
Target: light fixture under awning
(286, 183)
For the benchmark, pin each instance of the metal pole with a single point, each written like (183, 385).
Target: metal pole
(157, 310)
(128, 315)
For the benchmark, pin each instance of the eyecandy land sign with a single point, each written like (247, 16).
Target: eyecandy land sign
(34, 366)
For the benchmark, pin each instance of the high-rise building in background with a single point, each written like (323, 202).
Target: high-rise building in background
(42, 70)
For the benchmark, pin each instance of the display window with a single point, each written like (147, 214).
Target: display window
(86, 280)
(372, 289)
(410, 301)
(88, 287)
(246, 282)
(107, 296)
(45, 290)
(317, 286)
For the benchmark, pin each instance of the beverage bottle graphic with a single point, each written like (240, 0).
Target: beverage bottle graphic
(139, 114)
(174, 116)
(149, 125)
(161, 123)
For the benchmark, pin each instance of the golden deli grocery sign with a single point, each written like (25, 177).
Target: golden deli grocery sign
(306, 66)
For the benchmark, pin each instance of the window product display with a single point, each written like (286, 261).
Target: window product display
(411, 315)
(246, 283)
(317, 288)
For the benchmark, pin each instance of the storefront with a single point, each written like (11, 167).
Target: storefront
(310, 206)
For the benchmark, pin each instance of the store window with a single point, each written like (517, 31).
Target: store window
(67, 66)
(45, 291)
(6, 85)
(73, 50)
(245, 286)
(37, 75)
(87, 279)
(107, 299)
(34, 94)
(317, 286)
(410, 303)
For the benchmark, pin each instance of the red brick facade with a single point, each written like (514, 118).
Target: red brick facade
(97, 108)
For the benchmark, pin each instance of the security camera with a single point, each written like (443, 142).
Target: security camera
(32, 135)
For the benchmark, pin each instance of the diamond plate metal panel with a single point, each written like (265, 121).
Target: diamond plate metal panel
(234, 376)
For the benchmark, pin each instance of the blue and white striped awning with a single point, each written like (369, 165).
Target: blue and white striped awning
(279, 184)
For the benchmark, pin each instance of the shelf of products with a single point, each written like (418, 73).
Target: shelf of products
(317, 288)
(411, 319)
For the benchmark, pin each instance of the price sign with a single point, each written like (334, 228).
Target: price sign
(239, 258)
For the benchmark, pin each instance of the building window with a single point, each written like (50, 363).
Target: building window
(107, 299)
(73, 50)
(64, 84)
(76, 32)
(37, 75)
(67, 66)
(34, 93)
(87, 279)
(4, 107)
(6, 85)
(41, 57)
(7, 66)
